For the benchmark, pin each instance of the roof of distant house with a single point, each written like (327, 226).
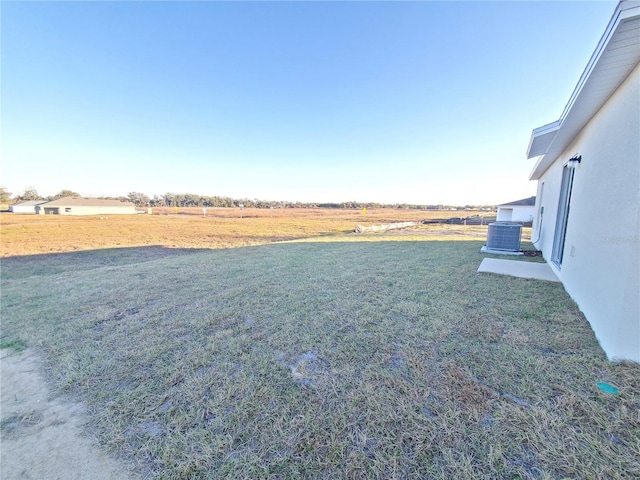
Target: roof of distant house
(29, 203)
(525, 202)
(88, 202)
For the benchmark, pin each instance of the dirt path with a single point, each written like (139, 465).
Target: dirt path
(40, 436)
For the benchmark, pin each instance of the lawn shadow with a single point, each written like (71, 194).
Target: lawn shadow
(24, 266)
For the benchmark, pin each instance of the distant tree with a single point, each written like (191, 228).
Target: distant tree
(64, 193)
(139, 199)
(29, 193)
(190, 200)
(5, 195)
(157, 201)
(170, 199)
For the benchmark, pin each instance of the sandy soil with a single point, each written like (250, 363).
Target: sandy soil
(41, 436)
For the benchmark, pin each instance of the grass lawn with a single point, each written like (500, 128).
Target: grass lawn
(358, 359)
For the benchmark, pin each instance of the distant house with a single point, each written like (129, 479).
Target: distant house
(27, 206)
(85, 206)
(588, 203)
(519, 211)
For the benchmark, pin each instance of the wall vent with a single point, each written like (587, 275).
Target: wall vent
(504, 236)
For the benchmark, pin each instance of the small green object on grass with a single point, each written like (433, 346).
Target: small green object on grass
(605, 387)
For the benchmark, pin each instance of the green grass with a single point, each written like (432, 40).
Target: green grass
(359, 359)
(14, 344)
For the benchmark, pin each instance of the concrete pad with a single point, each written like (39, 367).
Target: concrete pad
(517, 268)
(499, 252)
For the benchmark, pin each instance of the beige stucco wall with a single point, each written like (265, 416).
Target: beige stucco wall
(601, 268)
(88, 210)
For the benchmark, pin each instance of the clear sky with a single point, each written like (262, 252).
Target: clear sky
(395, 102)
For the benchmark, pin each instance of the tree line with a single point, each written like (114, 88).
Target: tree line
(194, 200)
(31, 193)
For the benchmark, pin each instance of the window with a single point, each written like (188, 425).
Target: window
(563, 215)
(67, 209)
(540, 210)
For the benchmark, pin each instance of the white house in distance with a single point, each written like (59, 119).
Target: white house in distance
(518, 211)
(588, 200)
(85, 206)
(26, 206)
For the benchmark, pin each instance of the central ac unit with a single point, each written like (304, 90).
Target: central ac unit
(504, 236)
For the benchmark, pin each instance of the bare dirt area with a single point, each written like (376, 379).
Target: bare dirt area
(41, 435)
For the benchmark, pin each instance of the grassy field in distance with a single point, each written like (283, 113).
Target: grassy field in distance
(221, 228)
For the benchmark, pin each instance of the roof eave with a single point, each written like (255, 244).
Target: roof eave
(539, 168)
(542, 140)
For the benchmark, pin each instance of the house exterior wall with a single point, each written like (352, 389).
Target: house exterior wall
(87, 210)
(601, 269)
(22, 208)
(516, 213)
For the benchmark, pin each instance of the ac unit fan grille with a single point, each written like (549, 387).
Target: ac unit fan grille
(504, 236)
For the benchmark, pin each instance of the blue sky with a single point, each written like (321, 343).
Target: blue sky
(395, 102)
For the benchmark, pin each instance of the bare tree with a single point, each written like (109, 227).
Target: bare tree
(29, 193)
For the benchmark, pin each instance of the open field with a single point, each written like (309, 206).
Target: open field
(341, 356)
(221, 228)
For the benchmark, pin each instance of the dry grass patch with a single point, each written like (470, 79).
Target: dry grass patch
(221, 228)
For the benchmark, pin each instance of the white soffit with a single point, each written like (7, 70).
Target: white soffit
(615, 57)
(541, 138)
